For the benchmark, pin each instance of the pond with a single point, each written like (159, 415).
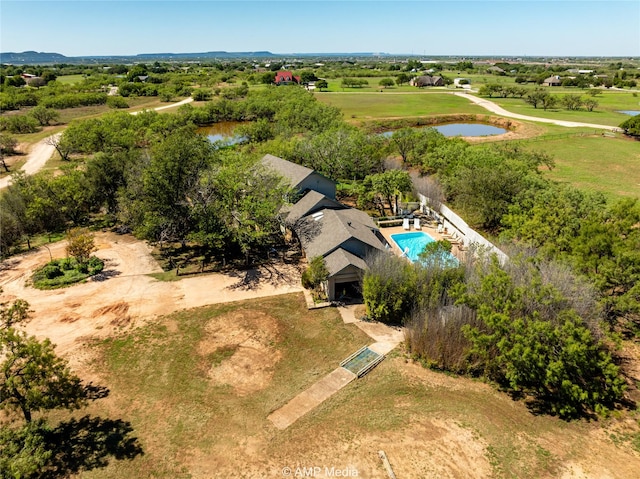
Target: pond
(469, 129)
(629, 112)
(222, 133)
(463, 129)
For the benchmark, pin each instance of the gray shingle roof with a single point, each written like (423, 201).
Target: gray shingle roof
(340, 259)
(291, 171)
(309, 203)
(324, 231)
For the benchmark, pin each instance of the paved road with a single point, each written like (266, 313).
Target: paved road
(498, 110)
(42, 150)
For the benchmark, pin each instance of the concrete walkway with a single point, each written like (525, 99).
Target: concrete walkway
(312, 397)
(386, 337)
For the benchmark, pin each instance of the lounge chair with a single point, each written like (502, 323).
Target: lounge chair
(440, 228)
(416, 224)
(405, 224)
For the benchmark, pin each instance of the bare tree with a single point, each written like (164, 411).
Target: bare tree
(8, 146)
(61, 147)
(431, 189)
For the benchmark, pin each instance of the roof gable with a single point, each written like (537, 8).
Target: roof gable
(341, 259)
(286, 76)
(293, 172)
(324, 231)
(311, 202)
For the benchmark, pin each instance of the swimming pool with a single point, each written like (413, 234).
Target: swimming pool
(413, 243)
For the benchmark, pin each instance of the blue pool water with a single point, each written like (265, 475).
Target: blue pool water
(415, 242)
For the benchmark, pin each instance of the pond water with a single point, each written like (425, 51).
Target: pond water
(222, 133)
(629, 112)
(463, 129)
(469, 129)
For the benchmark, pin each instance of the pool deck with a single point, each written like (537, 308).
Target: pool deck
(431, 231)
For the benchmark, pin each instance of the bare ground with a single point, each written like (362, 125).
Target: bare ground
(124, 296)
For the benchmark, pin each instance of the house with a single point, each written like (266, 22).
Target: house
(496, 70)
(285, 77)
(343, 236)
(27, 76)
(426, 80)
(552, 81)
(301, 178)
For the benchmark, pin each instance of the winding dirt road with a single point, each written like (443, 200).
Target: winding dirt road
(37, 158)
(43, 150)
(498, 110)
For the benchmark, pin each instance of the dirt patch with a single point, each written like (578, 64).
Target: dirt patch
(447, 450)
(238, 350)
(127, 296)
(117, 311)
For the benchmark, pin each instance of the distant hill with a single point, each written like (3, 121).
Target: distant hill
(43, 57)
(219, 54)
(32, 57)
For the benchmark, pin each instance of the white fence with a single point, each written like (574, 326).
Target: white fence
(452, 222)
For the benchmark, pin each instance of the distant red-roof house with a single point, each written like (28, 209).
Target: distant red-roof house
(285, 77)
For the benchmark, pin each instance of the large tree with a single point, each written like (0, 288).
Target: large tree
(247, 198)
(171, 174)
(389, 184)
(32, 377)
(631, 126)
(532, 341)
(8, 146)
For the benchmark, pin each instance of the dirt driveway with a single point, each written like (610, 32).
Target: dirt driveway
(124, 296)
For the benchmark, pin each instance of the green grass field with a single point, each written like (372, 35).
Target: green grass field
(70, 79)
(604, 114)
(390, 104)
(596, 163)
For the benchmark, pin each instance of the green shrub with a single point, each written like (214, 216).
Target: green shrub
(389, 288)
(67, 264)
(117, 102)
(201, 95)
(315, 274)
(64, 272)
(19, 124)
(52, 271)
(95, 265)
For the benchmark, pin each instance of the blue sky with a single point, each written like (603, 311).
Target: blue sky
(424, 27)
